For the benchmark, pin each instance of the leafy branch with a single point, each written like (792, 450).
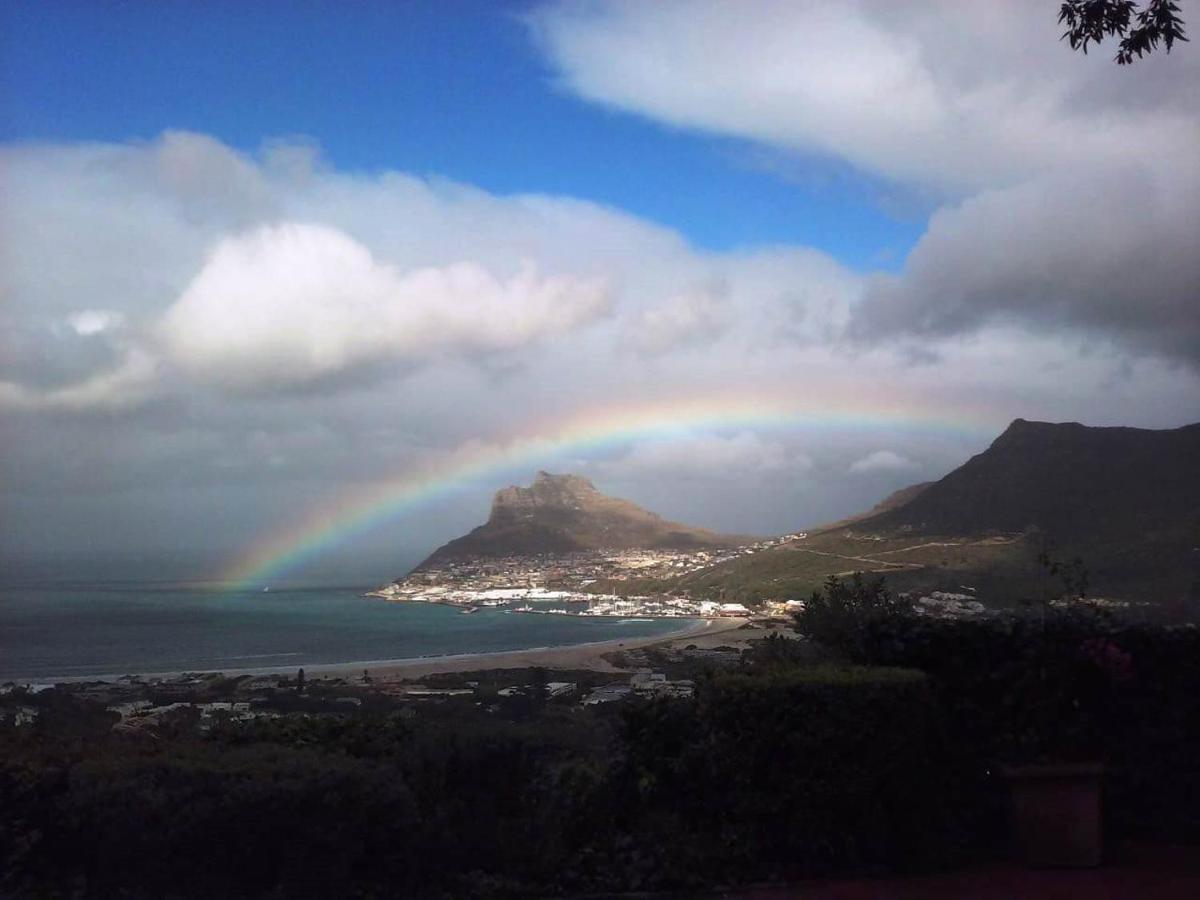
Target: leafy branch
(1140, 30)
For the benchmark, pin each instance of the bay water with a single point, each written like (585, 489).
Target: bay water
(50, 631)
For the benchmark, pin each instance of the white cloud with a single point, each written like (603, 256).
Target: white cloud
(371, 301)
(882, 461)
(691, 317)
(1071, 185)
(741, 454)
(90, 322)
(126, 385)
(950, 95)
(351, 299)
(295, 303)
(275, 270)
(208, 179)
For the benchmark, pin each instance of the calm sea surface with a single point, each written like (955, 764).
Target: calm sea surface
(120, 627)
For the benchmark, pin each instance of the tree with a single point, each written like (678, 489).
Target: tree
(1140, 30)
(847, 614)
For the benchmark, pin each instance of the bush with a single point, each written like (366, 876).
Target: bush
(795, 772)
(344, 806)
(780, 770)
(847, 616)
(1068, 684)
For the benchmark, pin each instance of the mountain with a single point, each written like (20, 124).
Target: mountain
(899, 498)
(891, 501)
(1073, 482)
(1125, 501)
(565, 513)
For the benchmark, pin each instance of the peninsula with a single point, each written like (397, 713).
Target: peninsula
(546, 548)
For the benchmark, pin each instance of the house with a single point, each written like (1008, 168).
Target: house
(553, 689)
(647, 682)
(560, 688)
(420, 692)
(656, 684)
(125, 710)
(684, 688)
(19, 715)
(607, 693)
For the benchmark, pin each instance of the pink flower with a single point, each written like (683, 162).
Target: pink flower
(1108, 656)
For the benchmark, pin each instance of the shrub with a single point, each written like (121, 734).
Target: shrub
(848, 616)
(1058, 684)
(794, 772)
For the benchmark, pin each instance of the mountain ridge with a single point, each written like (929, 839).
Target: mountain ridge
(1125, 501)
(1066, 479)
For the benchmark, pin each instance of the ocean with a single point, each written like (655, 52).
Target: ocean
(52, 631)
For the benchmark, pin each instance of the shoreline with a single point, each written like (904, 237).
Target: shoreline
(588, 655)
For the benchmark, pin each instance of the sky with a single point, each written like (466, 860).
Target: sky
(751, 271)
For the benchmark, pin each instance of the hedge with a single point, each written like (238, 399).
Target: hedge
(794, 772)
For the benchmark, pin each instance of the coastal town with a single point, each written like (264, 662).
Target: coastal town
(607, 583)
(505, 685)
(583, 583)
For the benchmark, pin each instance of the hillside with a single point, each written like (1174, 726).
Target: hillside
(566, 513)
(891, 501)
(1124, 500)
(1074, 482)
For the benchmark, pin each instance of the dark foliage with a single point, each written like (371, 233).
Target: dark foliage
(800, 770)
(1141, 30)
(776, 652)
(846, 614)
(789, 767)
(1062, 683)
(792, 773)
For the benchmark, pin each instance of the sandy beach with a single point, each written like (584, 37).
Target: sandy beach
(590, 656)
(708, 633)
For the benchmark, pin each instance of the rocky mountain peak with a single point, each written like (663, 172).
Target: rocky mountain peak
(548, 491)
(555, 485)
(565, 513)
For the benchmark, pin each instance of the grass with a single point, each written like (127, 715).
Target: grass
(793, 571)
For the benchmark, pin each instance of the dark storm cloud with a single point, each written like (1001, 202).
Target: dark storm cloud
(1114, 254)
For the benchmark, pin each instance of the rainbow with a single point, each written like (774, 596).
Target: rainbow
(592, 430)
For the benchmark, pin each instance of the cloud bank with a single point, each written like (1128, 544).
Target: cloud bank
(244, 335)
(292, 304)
(199, 343)
(740, 455)
(882, 461)
(1070, 187)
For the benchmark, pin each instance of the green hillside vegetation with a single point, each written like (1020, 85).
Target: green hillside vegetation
(794, 570)
(1124, 501)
